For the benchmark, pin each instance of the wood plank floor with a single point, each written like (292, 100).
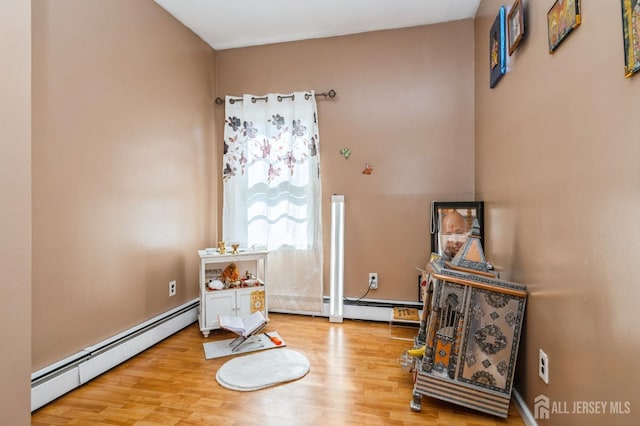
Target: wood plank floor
(355, 379)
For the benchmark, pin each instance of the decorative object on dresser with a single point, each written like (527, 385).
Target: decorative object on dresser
(469, 333)
(224, 291)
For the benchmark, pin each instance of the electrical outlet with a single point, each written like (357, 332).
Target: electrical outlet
(373, 280)
(543, 366)
(172, 288)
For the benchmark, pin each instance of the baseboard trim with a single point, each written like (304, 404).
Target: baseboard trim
(63, 376)
(367, 310)
(524, 411)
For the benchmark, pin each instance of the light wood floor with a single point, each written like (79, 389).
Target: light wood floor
(355, 379)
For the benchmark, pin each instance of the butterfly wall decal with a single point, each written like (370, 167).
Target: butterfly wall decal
(367, 169)
(346, 152)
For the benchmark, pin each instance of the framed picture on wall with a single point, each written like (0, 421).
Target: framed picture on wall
(497, 49)
(631, 36)
(451, 223)
(562, 19)
(515, 25)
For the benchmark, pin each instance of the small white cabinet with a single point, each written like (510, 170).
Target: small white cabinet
(239, 301)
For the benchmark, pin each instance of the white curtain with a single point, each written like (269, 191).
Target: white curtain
(272, 192)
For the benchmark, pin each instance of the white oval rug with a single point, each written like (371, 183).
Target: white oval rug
(261, 370)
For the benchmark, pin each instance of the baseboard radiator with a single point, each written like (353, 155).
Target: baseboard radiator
(57, 379)
(365, 309)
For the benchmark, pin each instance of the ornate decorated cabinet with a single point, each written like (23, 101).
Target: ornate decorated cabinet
(470, 331)
(236, 300)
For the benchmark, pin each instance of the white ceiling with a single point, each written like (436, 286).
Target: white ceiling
(226, 24)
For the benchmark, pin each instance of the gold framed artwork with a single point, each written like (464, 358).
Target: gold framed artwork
(562, 19)
(631, 36)
(515, 26)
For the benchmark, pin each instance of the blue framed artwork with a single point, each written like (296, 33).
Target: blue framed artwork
(497, 49)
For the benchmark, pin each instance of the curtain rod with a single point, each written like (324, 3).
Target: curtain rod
(330, 94)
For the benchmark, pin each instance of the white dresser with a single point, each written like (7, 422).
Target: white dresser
(241, 300)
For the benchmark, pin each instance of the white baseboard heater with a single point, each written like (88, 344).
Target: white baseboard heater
(366, 309)
(57, 379)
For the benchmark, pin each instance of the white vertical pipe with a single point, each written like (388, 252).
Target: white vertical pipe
(337, 258)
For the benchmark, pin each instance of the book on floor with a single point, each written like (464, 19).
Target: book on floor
(243, 326)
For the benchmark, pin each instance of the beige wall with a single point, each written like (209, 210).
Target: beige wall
(557, 155)
(15, 214)
(405, 106)
(122, 163)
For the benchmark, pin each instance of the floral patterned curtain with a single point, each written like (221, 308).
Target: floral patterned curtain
(272, 192)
